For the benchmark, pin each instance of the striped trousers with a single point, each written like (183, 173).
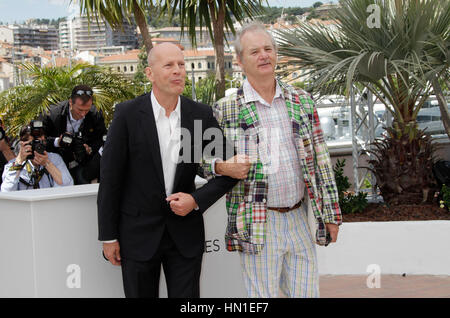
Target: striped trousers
(288, 261)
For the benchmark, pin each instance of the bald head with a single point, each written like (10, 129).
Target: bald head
(166, 71)
(161, 50)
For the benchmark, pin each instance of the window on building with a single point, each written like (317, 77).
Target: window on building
(131, 68)
(199, 65)
(209, 65)
(192, 66)
(213, 65)
(118, 68)
(124, 68)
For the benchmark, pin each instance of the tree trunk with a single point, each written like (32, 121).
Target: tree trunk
(143, 27)
(218, 31)
(442, 104)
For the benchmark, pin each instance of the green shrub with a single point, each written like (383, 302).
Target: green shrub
(349, 202)
(445, 192)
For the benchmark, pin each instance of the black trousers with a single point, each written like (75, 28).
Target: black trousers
(141, 279)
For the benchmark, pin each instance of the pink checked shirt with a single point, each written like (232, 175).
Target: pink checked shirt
(277, 150)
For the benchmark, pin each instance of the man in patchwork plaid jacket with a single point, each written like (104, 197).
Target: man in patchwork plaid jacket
(278, 129)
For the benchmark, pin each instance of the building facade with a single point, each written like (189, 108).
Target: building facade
(122, 63)
(77, 33)
(43, 36)
(202, 36)
(201, 63)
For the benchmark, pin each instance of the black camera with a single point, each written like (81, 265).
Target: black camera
(38, 146)
(36, 131)
(74, 142)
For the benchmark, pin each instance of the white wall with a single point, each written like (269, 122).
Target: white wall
(44, 231)
(412, 247)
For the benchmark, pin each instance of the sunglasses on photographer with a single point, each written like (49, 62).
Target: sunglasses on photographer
(82, 92)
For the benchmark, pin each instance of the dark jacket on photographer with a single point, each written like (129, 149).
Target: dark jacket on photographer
(57, 122)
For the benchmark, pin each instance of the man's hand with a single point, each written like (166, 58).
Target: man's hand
(88, 149)
(236, 167)
(181, 203)
(41, 160)
(333, 229)
(24, 152)
(112, 252)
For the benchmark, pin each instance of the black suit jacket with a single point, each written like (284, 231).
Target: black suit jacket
(55, 123)
(132, 200)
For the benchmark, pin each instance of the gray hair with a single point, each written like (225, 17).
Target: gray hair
(252, 27)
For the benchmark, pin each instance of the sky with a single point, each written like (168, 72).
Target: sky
(21, 10)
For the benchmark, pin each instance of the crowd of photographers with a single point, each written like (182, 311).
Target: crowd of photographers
(61, 147)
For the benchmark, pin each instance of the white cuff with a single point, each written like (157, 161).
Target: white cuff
(56, 142)
(111, 241)
(213, 166)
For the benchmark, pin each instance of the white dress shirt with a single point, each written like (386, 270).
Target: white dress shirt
(169, 135)
(286, 185)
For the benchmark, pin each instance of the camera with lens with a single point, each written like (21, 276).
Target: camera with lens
(75, 143)
(36, 131)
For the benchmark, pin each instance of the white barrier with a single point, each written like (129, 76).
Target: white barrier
(50, 248)
(412, 247)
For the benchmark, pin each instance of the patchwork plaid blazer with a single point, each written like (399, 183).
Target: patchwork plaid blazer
(246, 202)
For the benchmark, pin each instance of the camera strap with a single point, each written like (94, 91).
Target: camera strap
(35, 176)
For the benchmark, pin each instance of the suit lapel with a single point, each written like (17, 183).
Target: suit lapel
(296, 110)
(187, 123)
(300, 128)
(247, 111)
(148, 125)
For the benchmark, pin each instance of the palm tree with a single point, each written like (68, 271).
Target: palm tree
(397, 62)
(436, 61)
(116, 12)
(23, 103)
(216, 15)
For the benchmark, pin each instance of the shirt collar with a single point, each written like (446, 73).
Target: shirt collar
(159, 111)
(251, 95)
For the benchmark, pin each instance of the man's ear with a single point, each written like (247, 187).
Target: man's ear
(149, 73)
(239, 61)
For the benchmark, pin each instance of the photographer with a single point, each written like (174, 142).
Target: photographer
(75, 130)
(92, 170)
(34, 168)
(6, 154)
